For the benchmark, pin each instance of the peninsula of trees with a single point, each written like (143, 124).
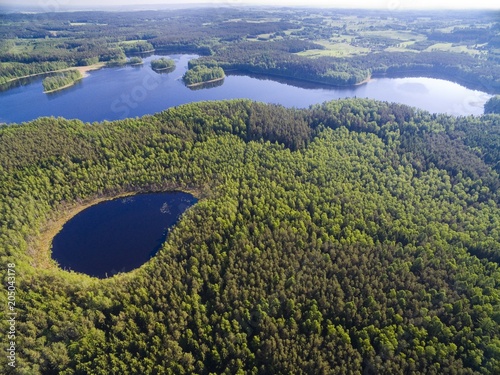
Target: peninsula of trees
(354, 237)
(201, 74)
(61, 80)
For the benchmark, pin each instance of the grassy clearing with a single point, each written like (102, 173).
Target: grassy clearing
(335, 50)
(449, 47)
(342, 38)
(27, 46)
(451, 28)
(400, 49)
(264, 36)
(263, 20)
(290, 31)
(402, 36)
(21, 46)
(132, 41)
(87, 23)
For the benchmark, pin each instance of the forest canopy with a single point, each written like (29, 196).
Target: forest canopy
(202, 74)
(61, 80)
(354, 237)
(163, 63)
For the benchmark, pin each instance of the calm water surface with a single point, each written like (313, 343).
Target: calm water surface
(118, 235)
(130, 91)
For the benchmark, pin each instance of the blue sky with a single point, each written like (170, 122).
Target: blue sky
(379, 4)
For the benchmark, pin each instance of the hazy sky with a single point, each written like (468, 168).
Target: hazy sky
(380, 4)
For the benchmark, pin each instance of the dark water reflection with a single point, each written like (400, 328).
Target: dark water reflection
(118, 235)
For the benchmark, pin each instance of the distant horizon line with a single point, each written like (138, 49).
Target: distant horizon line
(20, 8)
(131, 8)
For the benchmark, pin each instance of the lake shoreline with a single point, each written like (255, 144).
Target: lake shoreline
(291, 79)
(416, 73)
(204, 82)
(82, 69)
(119, 235)
(163, 69)
(41, 247)
(410, 73)
(124, 98)
(65, 86)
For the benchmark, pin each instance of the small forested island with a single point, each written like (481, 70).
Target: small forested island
(492, 105)
(61, 81)
(201, 74)
(135, 60)
(163, 64)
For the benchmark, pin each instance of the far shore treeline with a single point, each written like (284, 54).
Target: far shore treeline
(322, 49)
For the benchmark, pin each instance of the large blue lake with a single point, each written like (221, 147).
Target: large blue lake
(118, 235)
(130, 91)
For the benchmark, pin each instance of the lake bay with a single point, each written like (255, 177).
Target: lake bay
(120, 234)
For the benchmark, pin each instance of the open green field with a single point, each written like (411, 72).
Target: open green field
(335, 50)
(402, 36)
(451, 47)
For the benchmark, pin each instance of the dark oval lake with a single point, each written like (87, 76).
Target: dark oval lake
(130, 91)
(118, 235)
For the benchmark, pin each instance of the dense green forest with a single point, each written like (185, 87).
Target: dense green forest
(163, 63)
(354, 237)
(201, 73)
(336, 47)
(63, 79)
(10, 71)
(140, 46)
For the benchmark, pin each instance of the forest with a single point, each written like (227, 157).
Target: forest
(163, 64)
(201, 74)
(334, 47)
(61, 80)
(353, 237)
